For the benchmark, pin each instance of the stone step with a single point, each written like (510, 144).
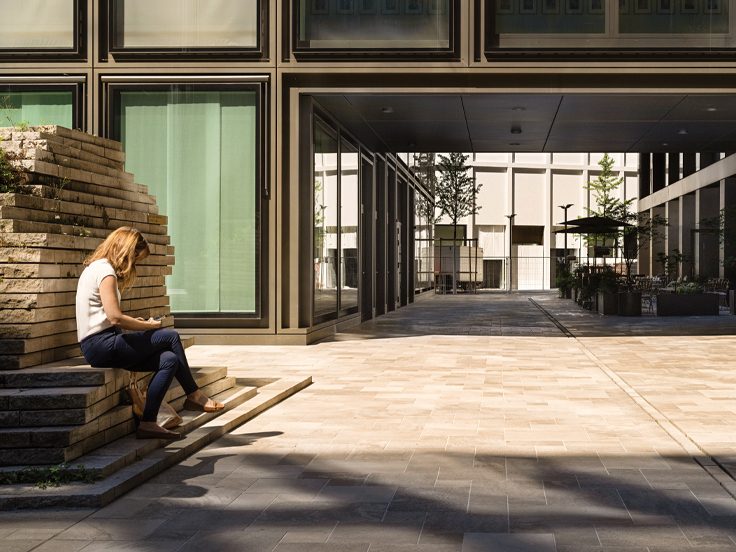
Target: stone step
(96, 218)
(89, 440)
(129, 462)
(57, 406)
(55, 188)
(67, 241)
(22, 226)
(42, 151)
(63, 147)
(70, 137)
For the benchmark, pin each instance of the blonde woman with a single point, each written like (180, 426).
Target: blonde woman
(145, 346)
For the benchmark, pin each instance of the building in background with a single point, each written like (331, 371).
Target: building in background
(266, 127)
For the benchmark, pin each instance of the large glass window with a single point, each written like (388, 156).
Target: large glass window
(37, 25)
(36, 107)
(423, 243)
(160, 25)
(550, 16)
(349, 191)
(197, 150)
(325, 232)
(622, 25)
(374, 24)
(674, 16)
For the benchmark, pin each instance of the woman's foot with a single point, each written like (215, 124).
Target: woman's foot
(151, 430)
(201, 402)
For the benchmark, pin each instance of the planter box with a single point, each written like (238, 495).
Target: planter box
(607, 303)
(629, 303)
(687, 304)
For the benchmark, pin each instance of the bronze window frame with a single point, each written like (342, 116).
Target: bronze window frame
(108, 21)
(78, 51)
(111, 86)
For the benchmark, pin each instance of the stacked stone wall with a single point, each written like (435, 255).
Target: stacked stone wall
(76, 191)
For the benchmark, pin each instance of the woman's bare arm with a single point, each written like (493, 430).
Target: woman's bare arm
(111, 306)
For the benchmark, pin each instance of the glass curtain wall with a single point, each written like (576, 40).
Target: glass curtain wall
(197, 151)
(639, 24)
(335, 224)
(349, 201)
(369, 24)
(163, 24)
(37, 108)
(423, 245)
(37, 24)
(325, 232)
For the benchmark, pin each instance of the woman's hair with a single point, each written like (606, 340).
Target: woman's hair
(122, 248)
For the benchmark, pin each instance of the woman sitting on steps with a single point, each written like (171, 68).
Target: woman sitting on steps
(146, 347)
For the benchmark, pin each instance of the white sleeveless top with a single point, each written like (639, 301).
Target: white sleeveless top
(91, 317)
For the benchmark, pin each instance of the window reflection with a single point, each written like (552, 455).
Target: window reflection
(423, 250)
(348, 226)
(325, 222)
(384, 24)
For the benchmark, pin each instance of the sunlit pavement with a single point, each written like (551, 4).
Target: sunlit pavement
(461, 423)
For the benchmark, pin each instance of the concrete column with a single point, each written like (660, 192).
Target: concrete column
(659, 243)
(645, 255)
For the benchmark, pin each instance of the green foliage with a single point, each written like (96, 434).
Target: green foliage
(11, 178)
(688, 288)
(671, 262)
(456, 189)
(605, 189)
(425, 170)
(643, 228)
(51, 476)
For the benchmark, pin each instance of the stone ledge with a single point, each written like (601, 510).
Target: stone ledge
(128, 477)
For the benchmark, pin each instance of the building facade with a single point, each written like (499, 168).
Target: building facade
(267, 129)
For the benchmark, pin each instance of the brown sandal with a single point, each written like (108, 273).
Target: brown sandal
(189, 404)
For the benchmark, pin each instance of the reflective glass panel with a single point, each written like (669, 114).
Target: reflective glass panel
(383, 24)
(196, 150)
(37, 24)
(325, 223)
(550, 16)
(36, 108)
(348, 226)
(158, 24)
(673, 16)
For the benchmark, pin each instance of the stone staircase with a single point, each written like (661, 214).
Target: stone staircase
(67, 412)
(55, 409)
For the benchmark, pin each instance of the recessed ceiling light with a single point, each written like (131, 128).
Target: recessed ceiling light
(387, 110)
(514, 143)
(712, 109)
(518, 108)
(515, 130)
(682, 131)
(665, 144)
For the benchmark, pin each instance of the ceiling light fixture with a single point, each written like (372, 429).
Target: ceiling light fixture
(387, 110)
(711, 109)
(518, 108)
(515, 129)
(514, 143)
(665, 144)
(682, 131)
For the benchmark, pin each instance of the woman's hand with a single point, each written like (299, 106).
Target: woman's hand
(155, 323)
(111, 306)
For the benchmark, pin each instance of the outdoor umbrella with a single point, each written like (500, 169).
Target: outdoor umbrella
(592, 225)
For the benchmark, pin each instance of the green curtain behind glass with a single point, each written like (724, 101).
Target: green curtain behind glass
(196, 151)
(36, 108)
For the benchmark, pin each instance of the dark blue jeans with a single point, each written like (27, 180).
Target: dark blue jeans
(159, 351)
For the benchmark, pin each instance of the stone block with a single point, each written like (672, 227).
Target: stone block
(31, 456)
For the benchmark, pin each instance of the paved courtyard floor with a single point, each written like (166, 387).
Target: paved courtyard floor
(458, 424)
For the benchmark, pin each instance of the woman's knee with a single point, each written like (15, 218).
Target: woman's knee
(167, 335)
(168, 361)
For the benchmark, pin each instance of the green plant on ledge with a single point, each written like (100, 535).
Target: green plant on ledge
(564, 280)
(685, 288)
(11, 179)
(52, 476)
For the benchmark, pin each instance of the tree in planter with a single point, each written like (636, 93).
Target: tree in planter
(642, 227)
(455, 196)
(725, 226)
